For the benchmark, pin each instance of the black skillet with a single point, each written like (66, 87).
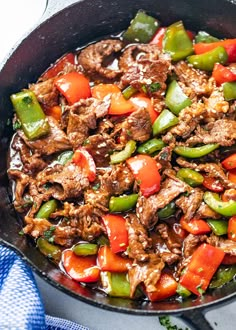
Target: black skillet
(58, 33)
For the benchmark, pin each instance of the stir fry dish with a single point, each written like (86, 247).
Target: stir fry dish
(123, 162)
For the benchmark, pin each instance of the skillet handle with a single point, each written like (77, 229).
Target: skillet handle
(196, 320)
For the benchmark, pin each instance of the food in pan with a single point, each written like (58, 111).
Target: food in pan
(123, 163)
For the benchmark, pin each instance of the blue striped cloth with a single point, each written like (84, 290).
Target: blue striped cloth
(21, 306)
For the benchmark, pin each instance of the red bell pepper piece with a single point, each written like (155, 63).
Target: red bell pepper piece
(158, 37)
(179, 231)
(228, 44)
(58, 66)
(229, 260)
(74, 86)
(54, 112)
(165, 288)
(232, 175)
(232, 228)
(111, 262)
(117, 232)
(145, 170)
(201, 268)
(229, 163)
(119, 105)
(83, 159)
(229, 195)
(195, 226)
(82, 269)
(142, 101)
(212, 184)
(223, 74)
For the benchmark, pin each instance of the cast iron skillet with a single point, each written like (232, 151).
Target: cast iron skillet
(71, 27)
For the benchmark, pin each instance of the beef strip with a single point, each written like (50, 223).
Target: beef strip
(216, 106)
(212, 169)
(92, 58)
(46, 92)
(222, 131)
(164, 157)
(171, 240)
(97, 198)
(191, 242)
(36, 227)
(190, 204)
(139, 242)
(227, 245)
(205, 212)
(55, 141)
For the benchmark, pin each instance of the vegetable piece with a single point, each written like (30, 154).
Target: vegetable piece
(205, 37)
(195, 226)
(228, 44)
(150, 146)
(158, 37)
(229, 163)
(223, 275)
(122, 203)
(54, 112)
(142, 101)
(191, 177)
(64, 157)
(176, 42)
(164, 288)
(82, 269)
(195, 152)
(167, 211)
(32, 118)
(47, 209)
(219, 227)
(229, 91)
(124, 154)
(83, 159)
(201, 268)
(142, 28)
(232, 228)
(85, 249)
(212, 184)
(74, 86)
(232, 175)
(49, 250)
(223, 74)
(115, 284)
(111, 262)
(229, 194)
(58, 66)
(207, 60)
(117, 232)
(175, 99)
(182, 291)
(165, 120)
(118, 104)
(145, 170)
(229, 260)
(129, 91)
(213, 200)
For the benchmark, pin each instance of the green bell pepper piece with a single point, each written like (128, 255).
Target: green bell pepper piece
(103, 240)
(116, 284)
(175, 99)
(191, 177)
(165, 120)
(142, 28)
(32, 118)
(205, 37)
(182, 291)
(207, 60)
(229, 90)
(195, 152)
(122, 203)
(64, 157)
(176, 42)
(223, 275)
(124, 154)
(129, 91)
(227, 209)
(85, 249)
(219, 227)
(49, 250)
(46, 209)
(167, 211)
(151, 146)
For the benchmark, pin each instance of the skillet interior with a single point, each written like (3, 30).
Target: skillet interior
(68, 29)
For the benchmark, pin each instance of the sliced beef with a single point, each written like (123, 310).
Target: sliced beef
(46, 92)
(195, 79)
(146, 272)
(117, 180)
(172, 241)
(205, 212)
(137, 126)
(55, 141)
(97, 198)
(191, 242)
(222, 131)
(226, 245)
(215, 105)
(164, 157)
(36, 227)
(63, 182)
(100, 146)
(139, 242)
(190, 204)
(65, 235)
(93, 57)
